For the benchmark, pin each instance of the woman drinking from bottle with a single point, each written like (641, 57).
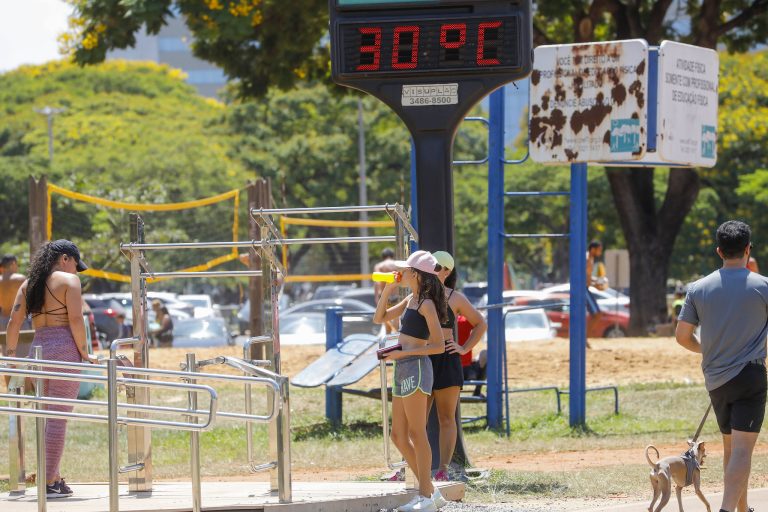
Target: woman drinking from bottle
(420, 335)
(446, 366)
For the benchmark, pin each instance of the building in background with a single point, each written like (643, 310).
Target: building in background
(173, 46)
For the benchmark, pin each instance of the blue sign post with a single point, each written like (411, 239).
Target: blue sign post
(578, 271)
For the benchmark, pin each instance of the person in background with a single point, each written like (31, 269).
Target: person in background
(446, 366)
(422, 312)
(123, 330)
(10, 281)
(52, 295)
(730, 305)
(594, 252)
(163, 334)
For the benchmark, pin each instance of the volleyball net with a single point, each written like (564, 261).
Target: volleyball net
(98, 225)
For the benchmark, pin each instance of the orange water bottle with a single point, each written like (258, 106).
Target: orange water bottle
(386, 277)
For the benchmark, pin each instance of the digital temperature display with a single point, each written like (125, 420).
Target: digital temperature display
(418, 46)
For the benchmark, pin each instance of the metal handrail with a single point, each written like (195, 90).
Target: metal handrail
(276, 383)
(122, 342)
(326, 209)
(252, 369)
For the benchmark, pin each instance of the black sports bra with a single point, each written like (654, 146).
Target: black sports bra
(413, 324)
(451, 317)
(54, 311)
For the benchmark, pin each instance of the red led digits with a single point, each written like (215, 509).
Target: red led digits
(488, 34)
(456, 32)
(370, 54)
(400, 50)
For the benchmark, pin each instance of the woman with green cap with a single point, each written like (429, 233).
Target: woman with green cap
(446, 367)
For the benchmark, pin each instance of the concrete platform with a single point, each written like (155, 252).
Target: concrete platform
(234, 496)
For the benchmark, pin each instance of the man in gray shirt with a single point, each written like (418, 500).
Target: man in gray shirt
(731, 306)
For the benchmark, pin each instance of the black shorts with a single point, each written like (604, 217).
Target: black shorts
(447, 370)
(739, 404)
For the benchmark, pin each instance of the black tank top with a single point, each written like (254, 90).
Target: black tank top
(451, 317)
(413, 324)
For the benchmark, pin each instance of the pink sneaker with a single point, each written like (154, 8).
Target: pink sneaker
(396, 476)
(441, 476)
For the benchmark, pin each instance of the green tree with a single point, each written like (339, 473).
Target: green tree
(305, 141)
(651, 225)
(261, 43)
(130, 132)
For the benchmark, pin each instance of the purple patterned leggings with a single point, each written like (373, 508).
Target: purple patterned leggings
(58, 345)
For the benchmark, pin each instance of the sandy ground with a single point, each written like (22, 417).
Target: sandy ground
(610, 361)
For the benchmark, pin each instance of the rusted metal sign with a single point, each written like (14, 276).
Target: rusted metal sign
(588, 102)
(688, 101)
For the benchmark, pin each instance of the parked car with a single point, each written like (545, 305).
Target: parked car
(330, 291)
(477, 293)
(319, 306)
(176, 308)
(105, 310)
(306, 328)
(608, 299)
(203, 305)
(530, 325)
(611, 324)
(201, 332)
(362, 294)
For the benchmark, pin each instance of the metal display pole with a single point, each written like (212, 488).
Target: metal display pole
(577, 402)
(42, 495)
(139, 438)
(113, 442)
(194, 439)
(495, 258)
(16, 471)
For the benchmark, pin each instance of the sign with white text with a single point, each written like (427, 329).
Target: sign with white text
(688, 101)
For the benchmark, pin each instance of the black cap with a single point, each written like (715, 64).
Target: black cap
(70, 249)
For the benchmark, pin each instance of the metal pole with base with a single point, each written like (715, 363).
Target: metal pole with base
(577, 402)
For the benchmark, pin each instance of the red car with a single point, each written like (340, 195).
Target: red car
(611, 324)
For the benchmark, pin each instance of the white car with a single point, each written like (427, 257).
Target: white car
(608, 299)
(203, 305)
(528, 325)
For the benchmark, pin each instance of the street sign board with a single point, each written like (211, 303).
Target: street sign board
(588, 102)
(687, 106)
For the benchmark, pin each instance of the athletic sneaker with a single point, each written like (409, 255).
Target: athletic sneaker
(65, 487)
(424, 505)
(408, 506)
(441, 476)
(397, 476)
(57, 490)
(437, 498)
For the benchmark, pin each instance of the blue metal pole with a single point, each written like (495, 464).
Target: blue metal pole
(578, 271)
(333, 337)
(653, 96)
(495, 257)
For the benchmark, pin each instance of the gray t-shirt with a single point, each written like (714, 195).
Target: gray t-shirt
(731, 306)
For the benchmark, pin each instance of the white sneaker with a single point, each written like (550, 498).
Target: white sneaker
(437, 498)
(408, 507)
(424, 505)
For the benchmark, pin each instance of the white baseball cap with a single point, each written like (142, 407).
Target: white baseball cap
(420, 260)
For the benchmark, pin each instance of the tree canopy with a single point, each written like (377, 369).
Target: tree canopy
(261, 43)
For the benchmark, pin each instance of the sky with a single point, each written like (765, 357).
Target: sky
(28, 31)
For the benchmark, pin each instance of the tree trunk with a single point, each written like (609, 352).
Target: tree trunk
(650, 233)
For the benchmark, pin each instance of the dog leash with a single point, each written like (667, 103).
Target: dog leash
(701, 425)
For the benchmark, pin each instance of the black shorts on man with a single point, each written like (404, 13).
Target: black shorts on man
(739, 404)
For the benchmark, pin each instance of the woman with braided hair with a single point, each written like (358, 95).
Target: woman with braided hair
(52, 296)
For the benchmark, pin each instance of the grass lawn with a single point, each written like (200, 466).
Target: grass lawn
(660, 414)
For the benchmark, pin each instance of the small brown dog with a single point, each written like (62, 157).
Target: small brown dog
(683, 470)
